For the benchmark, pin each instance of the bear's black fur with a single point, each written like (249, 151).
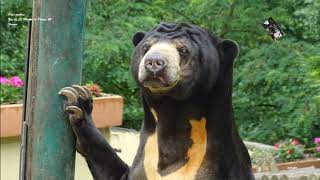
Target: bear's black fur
(188, 130)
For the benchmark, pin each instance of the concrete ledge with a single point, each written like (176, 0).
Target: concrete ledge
(310, 173)
(107, 112)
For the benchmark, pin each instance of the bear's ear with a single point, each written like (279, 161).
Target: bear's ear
(229, 50)
(137, 37)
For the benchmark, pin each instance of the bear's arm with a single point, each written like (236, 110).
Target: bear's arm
(103, 161)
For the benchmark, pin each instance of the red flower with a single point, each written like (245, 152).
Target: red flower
(290, 151)
(276, 146)
(97, 92)
(295, 142)
(95, 89)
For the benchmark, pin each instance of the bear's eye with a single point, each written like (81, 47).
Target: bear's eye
(183, 51)
(145, 48)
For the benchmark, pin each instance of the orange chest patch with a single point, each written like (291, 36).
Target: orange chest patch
(195, 154)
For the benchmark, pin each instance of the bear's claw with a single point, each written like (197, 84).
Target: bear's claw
(70, 94)
(72, 90)
(81, 91)
(74, 110)
(79, 101)
(88, 92)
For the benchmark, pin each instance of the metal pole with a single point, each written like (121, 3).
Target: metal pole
(54, 62)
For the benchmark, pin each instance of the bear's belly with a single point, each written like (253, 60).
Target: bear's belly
(195, 154)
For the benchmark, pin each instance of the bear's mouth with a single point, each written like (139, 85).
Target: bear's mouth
(155, 82)
(158, 84)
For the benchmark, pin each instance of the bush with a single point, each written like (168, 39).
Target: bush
(316, 148)
(13, 38)
(275, 96)
(289, 150)
(11, 90)
(292, 149)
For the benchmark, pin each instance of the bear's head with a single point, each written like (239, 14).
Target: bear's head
(180, 60)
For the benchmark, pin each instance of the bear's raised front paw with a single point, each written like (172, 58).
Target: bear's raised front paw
(79, 102)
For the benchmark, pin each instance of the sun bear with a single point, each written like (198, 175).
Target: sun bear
(185, 76)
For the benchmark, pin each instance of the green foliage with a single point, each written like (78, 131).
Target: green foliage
(13, 38)
(11, 90)
(275, 96)
(276, 84)
(10, 94)
(314, 149)
(288, 150)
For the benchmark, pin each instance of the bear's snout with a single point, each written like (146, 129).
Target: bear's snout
(155, 63)
(159, 68)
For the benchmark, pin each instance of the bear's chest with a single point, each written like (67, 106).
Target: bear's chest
(195, 155)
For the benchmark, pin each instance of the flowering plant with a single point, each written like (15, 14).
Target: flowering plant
(289, 150)
(11, 90)
(95, 89)
(317, 147)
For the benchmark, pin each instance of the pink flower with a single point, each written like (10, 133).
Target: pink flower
(295, 142)
(308, 155)
(16, 81)
(318, 149)
(317, 140)
(4, 80)
(276, 146)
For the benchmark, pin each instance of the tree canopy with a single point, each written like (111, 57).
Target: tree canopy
(276, 91)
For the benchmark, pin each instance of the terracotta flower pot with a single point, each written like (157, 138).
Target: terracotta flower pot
(11, 119)
(299, 164)
(107, 112)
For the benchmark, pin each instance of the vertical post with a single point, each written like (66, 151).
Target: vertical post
(54, 62)
(24, 126)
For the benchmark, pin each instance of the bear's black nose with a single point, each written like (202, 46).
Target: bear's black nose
(155, 63)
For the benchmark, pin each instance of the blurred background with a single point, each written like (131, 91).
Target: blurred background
(276, 87)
